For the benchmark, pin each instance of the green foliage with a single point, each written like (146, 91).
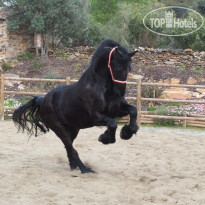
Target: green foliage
(11, 102)
(6, 66)
(102, 11)
(140, 35)
(50, 76)
(198, 71)
(164, 122)
(62, 19)
(182, 67)
(1, 3)
(151, 91)
(201, 6)
(24, 56)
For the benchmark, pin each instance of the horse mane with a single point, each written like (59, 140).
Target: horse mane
(105, 44)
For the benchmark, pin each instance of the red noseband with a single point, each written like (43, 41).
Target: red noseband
(109, 66)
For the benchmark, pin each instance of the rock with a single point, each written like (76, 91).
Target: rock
(191, 81)
(21, 87)
(172, 94)
(177, 51)
(201, 90)
(168, 62)
(136, 77)
(141, 49)
(10, 82)
(167, 81)
(77, 54)
(202, 53)
(197, 95)
(188, 50)
(155, 62)
(172, 60)
(175, 81)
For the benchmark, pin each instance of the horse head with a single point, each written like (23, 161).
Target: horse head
(114, 63)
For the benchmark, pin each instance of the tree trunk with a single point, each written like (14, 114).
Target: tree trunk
(44, 45)
(37, 43)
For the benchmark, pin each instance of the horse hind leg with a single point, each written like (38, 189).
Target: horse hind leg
(67, 136)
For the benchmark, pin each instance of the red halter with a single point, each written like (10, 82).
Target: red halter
(109, 66)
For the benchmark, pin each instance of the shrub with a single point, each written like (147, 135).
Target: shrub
(6, 66)
(24, 56)
(50, 76)
(164, 122)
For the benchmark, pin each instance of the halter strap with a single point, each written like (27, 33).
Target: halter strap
(109, 66)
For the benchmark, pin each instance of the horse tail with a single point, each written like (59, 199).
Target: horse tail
(27, 117)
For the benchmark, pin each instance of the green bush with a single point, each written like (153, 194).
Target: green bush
(164, 122)
(24, 56)
(6, 66)
(50, 76)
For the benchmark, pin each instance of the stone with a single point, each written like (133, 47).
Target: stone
(167, 81)
(172, 94)
(10, 82)
(201, 90)
(197, 95)
(21, 87)
(136, 77)
(168, 62)
(191, 81)
(155, 62)
(175, 81)
(188, 50)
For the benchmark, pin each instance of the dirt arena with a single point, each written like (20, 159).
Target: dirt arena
(157, 166)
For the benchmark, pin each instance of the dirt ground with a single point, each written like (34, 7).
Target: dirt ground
(157, 166)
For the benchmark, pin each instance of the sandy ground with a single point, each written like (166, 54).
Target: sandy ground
(158, 166)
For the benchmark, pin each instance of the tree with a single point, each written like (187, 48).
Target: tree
(61, 19)
(201, 6)
(102, 11)
(1, 3)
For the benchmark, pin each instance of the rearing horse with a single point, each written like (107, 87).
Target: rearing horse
(95, 100)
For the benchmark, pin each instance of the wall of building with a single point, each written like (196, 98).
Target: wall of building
(12, 43)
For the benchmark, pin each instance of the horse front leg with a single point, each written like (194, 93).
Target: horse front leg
(128, 130)
(109, 135)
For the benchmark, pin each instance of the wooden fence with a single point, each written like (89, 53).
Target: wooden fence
(143, 116)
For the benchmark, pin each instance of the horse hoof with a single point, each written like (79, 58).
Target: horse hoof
(87, 170)
(126, 132)
(106, 139)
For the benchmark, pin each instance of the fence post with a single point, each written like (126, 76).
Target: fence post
(185, 121)
(2, 95)
(68, 80)
(139, 90)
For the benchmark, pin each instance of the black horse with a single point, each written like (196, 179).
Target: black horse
(95, 100)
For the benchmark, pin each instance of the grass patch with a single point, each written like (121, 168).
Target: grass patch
(24, 56)
(198, 70)
(182, 67)
(6, 66)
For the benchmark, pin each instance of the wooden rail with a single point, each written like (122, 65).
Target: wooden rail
(143, 116)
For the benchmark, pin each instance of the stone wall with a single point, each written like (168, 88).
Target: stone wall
(12, 43)
(171, 57)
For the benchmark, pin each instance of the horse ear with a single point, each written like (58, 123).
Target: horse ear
(132, 53)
